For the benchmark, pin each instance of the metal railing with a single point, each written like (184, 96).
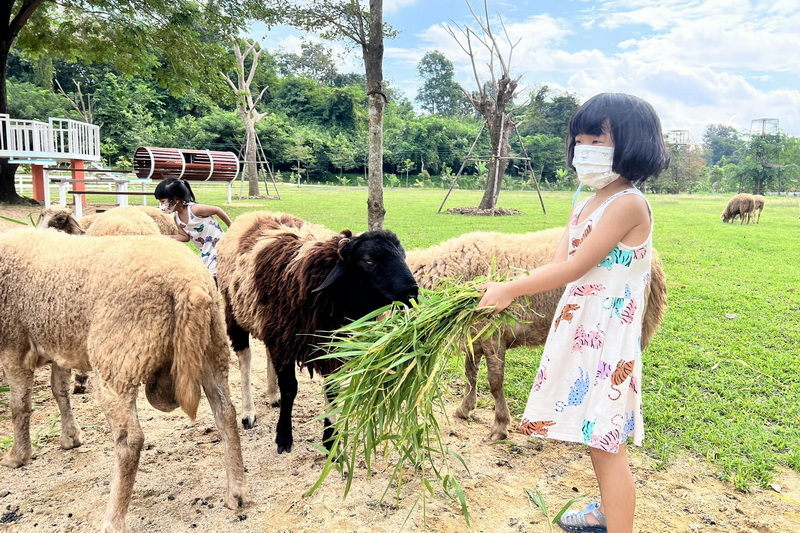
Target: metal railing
(59, 138)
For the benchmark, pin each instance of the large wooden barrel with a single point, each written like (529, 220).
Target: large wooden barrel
(195, 165)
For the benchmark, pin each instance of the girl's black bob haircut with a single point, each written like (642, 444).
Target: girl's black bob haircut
(174, 188)
(639, 148)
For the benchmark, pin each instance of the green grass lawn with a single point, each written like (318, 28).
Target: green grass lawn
(721, 377)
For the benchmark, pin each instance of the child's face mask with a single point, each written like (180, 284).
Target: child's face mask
(593, 165)
(167, 207)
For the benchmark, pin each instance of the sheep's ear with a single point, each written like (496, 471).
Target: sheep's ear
(335, 274)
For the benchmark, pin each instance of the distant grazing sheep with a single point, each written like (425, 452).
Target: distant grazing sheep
(285, 280)
(741, 205)
(471, 255)
(148, 312)
(758, 206)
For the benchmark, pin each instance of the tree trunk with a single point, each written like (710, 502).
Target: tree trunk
(8, 190)
(499, 126)
(251, 168)
(373, 66)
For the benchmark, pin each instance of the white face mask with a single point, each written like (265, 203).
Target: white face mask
(166, 208)
(593, 165)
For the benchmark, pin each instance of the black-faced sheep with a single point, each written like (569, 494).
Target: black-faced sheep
(741, 205)
(286, 281)
(471, 255)
(147, 312)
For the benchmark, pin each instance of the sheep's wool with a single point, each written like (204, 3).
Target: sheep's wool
(588, 387)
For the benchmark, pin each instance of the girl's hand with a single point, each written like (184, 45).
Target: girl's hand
(497, 296)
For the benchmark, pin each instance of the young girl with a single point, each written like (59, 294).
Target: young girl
(588, 385)
(195, 221)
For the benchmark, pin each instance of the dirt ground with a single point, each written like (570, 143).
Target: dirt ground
(180, 481)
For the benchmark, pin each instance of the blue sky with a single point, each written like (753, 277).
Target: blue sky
(698, 62)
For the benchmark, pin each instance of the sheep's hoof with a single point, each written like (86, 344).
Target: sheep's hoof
(275, 403)
(284, 443)
(70, 441)
(249, 421)
(12, 460)
(461, 413)
(498, 434)
(80, 384)
(234, 499)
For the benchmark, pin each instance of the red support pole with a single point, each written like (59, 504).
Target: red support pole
(78, 163)
(37, 176)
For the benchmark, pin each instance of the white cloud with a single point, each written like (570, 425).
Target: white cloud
(393, 6)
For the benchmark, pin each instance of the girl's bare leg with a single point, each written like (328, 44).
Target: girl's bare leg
(617, 490)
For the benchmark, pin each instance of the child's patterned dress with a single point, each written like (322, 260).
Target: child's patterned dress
(588, 387)
(205, 233)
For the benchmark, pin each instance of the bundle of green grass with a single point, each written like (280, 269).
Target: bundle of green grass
(389, 394)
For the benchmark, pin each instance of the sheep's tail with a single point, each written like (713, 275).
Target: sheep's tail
(655, 301)
(192, 337)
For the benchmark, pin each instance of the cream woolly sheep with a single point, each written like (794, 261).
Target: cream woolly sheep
(758, 206)
(471, 255)
(127, 220)
(166, 224)
(148, 312)
(741, 205)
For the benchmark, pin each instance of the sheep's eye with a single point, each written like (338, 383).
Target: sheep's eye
(369, 261)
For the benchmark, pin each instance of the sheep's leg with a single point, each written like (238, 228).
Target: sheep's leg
(59, 384)
(215, 385)
(248, 409)
(496, 365)
(240, 341)
(287, 381)
(128, 439)
(470, 399)
(329, 424)
(273, 391)
(21, 382)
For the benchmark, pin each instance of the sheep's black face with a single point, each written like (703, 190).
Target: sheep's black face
(375, 273)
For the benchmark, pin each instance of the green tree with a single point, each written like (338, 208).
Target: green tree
(721, 141)
(134, 36)
(439, 93)
(686, 170)
(30, 102)
(315, 61)
(363, 26)
(547, 114)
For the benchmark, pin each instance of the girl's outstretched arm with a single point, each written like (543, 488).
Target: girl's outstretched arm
(211, 210)
(628, 215)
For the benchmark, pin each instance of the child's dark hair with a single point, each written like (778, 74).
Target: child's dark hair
(174, 188)
(634, 126)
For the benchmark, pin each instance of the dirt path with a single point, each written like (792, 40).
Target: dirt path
(180, 480)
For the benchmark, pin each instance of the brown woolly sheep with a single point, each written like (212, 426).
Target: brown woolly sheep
(471, 255)
(60, 218)
(148, 313)
(741, 205)
(285, 281)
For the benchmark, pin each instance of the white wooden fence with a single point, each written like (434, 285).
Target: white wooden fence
(59, 139)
